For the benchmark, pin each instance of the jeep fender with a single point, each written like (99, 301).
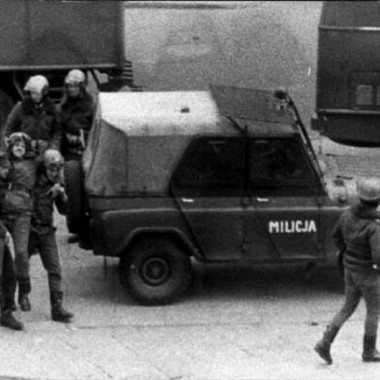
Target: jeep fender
(170, 233)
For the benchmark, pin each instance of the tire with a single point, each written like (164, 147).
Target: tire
(6, 105)
(155, 272)
(74, 183)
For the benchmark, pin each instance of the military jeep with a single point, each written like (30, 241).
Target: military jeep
(219, 176)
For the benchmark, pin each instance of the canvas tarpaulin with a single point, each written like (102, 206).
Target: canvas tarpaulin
(138, 138)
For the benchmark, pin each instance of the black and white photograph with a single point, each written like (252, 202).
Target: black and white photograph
(189, 190)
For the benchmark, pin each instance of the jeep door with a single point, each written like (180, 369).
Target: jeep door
(283, 219)
(208, 187)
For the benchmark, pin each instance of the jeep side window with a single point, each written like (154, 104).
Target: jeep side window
(214, 162)
(278, 161)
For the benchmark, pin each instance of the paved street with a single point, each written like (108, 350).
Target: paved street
(234, 323)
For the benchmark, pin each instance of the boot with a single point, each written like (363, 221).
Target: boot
(323, 346)
(58, 312)
(13, 306)
(24, 289)
(8, 320)
(370, 353)
(23, 301)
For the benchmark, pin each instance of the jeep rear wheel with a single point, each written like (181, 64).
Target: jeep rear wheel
(155, 272)
(75, 218)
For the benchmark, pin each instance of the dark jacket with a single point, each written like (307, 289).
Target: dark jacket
(42, 216)
(357, 235)
(18, 197)
(40, 123)
(3, 229)
(76, 115)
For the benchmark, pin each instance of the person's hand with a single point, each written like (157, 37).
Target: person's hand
(72, 139)
(56, 190)
(10, 244)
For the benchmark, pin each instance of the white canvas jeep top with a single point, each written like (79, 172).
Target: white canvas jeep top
(138, 137)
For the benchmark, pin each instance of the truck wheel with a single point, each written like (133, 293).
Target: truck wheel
(74, 184)
(155, 272)
(6, 105)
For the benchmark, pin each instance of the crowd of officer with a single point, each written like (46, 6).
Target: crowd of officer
(37, 137)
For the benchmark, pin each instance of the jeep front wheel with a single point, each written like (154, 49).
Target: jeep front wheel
(155, 272)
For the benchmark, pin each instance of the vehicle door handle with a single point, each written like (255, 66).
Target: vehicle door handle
(187, 200)
(262, 200)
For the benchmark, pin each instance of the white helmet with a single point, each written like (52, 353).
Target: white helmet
(368, 189)
(37, 83)
(53, 158)
(75, 77)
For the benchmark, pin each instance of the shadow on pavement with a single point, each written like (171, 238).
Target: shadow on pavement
(97, 282)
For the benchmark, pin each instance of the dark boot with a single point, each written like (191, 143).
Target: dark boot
(8, 320)
(370, 353)
(24, 288)
(323, 346)
(58, 312)
(23, 301)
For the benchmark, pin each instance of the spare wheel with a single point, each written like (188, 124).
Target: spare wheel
(74, 184)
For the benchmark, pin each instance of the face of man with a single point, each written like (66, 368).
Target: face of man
(36, 96)
(54, 172)
(73, 90)
(18, 149)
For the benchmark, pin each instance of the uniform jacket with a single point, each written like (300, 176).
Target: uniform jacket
(39, 123)
(357, 235)
(76, 114)
(18, 197)
(43, 209)
(3, 229)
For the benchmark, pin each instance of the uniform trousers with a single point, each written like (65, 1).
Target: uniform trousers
(361, 284)
(19, 227)
(46, 245)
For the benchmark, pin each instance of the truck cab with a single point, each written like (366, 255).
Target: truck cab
(348, 73)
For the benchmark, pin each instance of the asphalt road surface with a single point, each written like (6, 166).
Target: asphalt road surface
(233, 323)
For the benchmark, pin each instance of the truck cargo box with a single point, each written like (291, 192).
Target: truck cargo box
(60, 34)
(348, 75)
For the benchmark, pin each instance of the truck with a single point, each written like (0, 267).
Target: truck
(348, 73)
(53, 37)
(227, 175)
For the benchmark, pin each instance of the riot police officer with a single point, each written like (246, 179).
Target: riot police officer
(357, 236)
(49, 191)
(36, 116)
(76, 112)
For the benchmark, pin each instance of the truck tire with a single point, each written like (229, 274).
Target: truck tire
(6, 105)
(74, 184)
(155, 272)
